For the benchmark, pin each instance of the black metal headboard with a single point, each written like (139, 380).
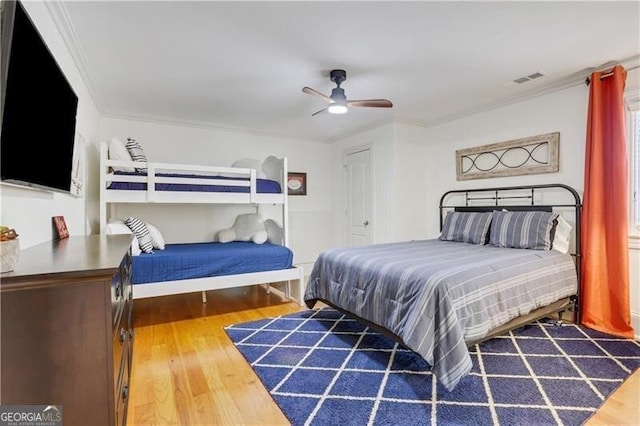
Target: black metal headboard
(521, 198)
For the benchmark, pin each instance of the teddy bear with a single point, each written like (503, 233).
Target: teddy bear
(247, 227)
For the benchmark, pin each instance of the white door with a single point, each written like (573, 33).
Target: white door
(359, 196)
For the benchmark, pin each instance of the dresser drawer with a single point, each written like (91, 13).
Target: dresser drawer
(122, 391)
(120, 289)
(120, 346)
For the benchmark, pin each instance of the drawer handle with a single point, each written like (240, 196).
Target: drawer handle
(131, 333)
(123, 335)
(125, 392)
(117, 292)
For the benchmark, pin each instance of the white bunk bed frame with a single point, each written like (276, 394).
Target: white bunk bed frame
(235, 177)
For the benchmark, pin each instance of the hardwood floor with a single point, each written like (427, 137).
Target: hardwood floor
(186, 371)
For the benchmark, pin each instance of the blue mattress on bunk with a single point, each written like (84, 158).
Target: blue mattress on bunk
(198, 260)
(264, 186)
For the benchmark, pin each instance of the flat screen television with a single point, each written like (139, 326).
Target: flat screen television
(39, 108)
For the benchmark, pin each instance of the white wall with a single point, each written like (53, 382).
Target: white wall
(310, 215)
(411, 177)
(564, 111)
(29, 211)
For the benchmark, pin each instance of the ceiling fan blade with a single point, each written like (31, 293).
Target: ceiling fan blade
(310, 91)
(374, 103)
(322, 111)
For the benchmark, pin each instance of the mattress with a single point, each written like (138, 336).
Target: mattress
(198, 260)
(263, 186)
(436, 296)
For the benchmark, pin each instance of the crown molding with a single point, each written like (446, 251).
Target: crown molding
(65, 27)
(572, 80)
(198, 124)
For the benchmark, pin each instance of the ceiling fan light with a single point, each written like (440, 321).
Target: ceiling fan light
(337, 108)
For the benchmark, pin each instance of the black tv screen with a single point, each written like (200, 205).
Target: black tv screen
(39, 109)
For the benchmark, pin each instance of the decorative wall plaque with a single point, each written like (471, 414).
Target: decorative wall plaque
(526, 156)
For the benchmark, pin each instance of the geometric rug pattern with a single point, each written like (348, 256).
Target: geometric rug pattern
(323, 368)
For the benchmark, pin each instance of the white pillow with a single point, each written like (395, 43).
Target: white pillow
(275, 232)
(118, 227)
(156, 237)
(562, 237)
(250, 163)
(119, 152)
(272, 167)
(246, 227)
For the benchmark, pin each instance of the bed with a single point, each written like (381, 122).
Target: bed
(438, 297)
(198, 267)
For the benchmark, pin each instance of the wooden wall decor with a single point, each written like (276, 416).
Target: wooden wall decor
(526, 156)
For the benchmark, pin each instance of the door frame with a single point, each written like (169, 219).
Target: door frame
(345, 195)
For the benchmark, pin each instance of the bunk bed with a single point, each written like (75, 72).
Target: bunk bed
(210, 266)
(440, 296)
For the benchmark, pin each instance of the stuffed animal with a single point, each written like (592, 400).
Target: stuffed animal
(247, 227)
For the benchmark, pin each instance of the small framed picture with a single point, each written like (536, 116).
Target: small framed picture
(297, 183)
(61, 227)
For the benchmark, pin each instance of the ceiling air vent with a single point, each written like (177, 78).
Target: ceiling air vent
(528, 77)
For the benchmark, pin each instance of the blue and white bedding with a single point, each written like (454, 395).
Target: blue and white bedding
(438, 295)
(199, 260)
(263, 186)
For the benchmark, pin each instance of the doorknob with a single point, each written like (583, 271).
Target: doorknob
(366, 223)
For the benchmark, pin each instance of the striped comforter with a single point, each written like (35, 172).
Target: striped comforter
(437, 295)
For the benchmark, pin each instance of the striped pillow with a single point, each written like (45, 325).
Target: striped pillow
(141, 232)
(522, 229)
(137, 153)
(466, 227)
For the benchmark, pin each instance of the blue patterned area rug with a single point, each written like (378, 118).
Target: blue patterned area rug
(324, 368)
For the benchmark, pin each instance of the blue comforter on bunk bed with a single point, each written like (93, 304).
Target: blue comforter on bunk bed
(263, 186)
(198, 260)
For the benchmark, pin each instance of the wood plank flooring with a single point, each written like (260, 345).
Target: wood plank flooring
(186, 371)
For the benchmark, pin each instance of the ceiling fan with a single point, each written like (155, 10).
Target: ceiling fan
(338, 103)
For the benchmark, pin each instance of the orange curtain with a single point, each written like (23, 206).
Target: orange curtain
(605, 230)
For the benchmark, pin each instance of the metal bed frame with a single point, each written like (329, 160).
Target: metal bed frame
(490, 199)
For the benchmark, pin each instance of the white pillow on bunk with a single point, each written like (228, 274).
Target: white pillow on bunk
(118, 152)
(250, 163)
(246, 227)
(272, 168)
(140, 230)
(156, 237)
(118, 227)
(275, 232)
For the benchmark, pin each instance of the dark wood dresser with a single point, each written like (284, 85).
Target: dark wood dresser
(67, 331)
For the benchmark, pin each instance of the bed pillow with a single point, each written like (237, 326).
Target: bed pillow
(246, 227)
(156, 237)
(137, 154)
(522, 229)
(272, 168)
(119, 152)
(250, 163)
(562, 235)
(140, 230)
(118, 227)
(466, 227)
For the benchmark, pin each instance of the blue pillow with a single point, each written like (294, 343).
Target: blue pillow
(522, 229)
(466, 227)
